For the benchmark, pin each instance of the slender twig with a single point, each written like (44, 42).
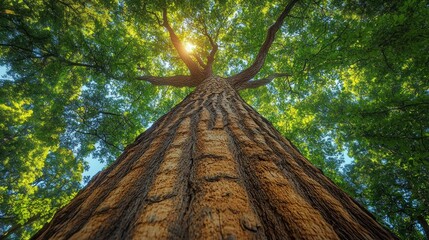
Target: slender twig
(103, 138)
(156, 17)
(176, 81)
(262, 81)
(49, 55)
(211, 57)
(126, 120)
(17, 226)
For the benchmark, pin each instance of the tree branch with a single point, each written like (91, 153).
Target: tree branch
(103, 138)
(256, 66)
(199, 60)
(192, 66)
(210, 58)
(46, 55)
(126, 120)
(157, 18)
(175, 81)
(17, 226)
(260, 82)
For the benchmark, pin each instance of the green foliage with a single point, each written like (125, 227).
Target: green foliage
(38, 173)
(359, 84)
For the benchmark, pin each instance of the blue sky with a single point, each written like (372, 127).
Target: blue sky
(94, 167)
(2, 71)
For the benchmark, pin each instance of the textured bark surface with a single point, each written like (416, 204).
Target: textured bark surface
(212, 168)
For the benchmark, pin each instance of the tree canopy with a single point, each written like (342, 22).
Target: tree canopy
(339, 77)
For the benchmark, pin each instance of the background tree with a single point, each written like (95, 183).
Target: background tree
(350, 77)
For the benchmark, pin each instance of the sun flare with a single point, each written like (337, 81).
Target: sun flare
(189, 47)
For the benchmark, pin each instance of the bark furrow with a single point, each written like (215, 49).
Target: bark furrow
(212, 168)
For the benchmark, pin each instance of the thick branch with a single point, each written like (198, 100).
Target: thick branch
(192, 66)
(175, 81)
(260, 82)
(251, 71)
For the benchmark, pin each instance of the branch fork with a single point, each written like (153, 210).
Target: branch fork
(199, 70)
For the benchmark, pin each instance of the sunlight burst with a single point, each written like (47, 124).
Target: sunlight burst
(189, 47)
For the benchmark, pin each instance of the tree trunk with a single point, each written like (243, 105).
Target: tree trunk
(212, 168)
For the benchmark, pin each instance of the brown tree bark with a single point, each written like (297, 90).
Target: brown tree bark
(212, 168)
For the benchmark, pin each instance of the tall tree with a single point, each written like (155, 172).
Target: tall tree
(82, 83)
(212, 167)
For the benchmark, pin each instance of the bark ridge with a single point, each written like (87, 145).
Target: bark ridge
(212, 168)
